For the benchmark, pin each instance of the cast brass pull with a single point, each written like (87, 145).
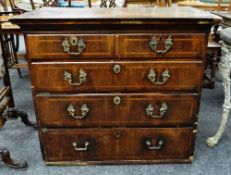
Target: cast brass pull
(84, 111)
(162, 111)
(82, 77)
(74, 41)
(154, 42)
(152, 76)
(159, 145)
(86, 144)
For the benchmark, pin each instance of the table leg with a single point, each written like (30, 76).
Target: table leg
(224, 68)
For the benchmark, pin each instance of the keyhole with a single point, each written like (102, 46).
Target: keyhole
(116, 68)
(116, 100)
(117, 134)
(74, 41)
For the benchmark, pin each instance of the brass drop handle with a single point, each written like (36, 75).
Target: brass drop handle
(154, 42)
(69, 79)
(84, 111)
(77, 148)
(159, 145)
(162, 111)
(152, 76)
(73, 41)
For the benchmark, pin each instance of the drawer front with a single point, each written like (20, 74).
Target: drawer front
(162, 46)
(118, 144)
(70, 46)
(116, 109)
(117, 76)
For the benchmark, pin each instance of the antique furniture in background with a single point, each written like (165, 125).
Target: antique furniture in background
(164, 3)
(224, 14)
(114, 85)
(213, 51)
(203, 5)
(7, 110)
(220, 3)
(13, 7)
(225, 69)
(226, 18)
(12, 36)
(150, 3)
(28, 5)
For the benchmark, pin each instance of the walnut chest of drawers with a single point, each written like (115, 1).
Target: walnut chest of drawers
(116, 85)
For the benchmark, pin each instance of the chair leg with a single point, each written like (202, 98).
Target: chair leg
(19, 71)
(7, 160)
(15, 49)
(5, 157)
(12, 114)
(17, 41)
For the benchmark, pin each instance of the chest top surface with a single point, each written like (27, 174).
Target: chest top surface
(115, 15)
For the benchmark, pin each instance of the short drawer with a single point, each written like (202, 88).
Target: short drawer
(116, 76)
(118, 144)
(181, 46)
(134, 109)
(70, 46)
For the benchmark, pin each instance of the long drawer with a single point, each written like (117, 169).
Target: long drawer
(121, 46)
(134, 144)
(116, 76)
(139, 109)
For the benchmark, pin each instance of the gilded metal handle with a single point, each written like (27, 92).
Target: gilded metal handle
(72, 42)
(84, 111)
(86, 144)
(154, 42)
(159, 145)
(162, 111)
(152, 76)
(82, 77)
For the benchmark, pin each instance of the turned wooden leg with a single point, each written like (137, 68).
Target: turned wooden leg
(7, 160)
(224, 68)
(12, 114)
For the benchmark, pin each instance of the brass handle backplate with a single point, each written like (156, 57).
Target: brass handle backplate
(154, 42)
(159, 145)
(78, 148)
(162, 111)
(84, 111)
(69, 79)
(152, 76)
(73, 41)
